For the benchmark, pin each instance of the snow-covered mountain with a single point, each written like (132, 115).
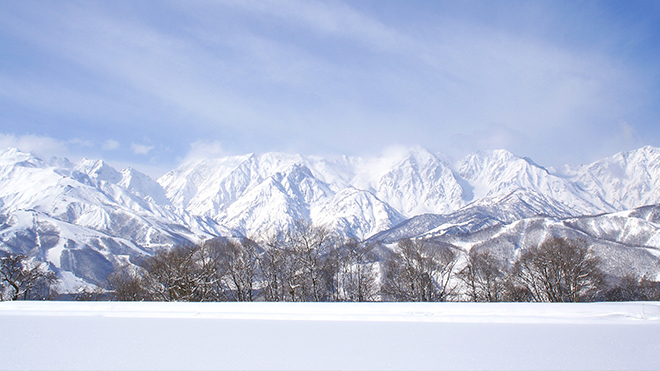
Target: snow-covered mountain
(623, 181)
(87, 217)
(256, 194)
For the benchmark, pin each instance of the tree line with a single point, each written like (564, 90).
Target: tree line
(309, 263)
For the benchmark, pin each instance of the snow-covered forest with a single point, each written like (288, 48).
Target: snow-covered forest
(310, 264)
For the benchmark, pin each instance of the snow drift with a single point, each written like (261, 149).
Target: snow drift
(330, 336)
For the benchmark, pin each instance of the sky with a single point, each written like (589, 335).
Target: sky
(150, 84)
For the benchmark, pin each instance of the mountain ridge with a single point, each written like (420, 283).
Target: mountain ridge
(117, 216)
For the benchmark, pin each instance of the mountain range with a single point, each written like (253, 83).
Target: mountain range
(86, 218)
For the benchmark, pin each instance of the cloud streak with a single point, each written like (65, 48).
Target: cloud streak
(141, 149)
(110, 145)
(329, 77)
(41, 145)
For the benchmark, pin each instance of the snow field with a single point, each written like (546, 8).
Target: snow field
(329, 336)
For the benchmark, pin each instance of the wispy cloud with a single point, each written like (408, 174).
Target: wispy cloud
(110, 144)
(81, 142)
(323, 76)
(44, 146)
(205, 149)
(141, 149)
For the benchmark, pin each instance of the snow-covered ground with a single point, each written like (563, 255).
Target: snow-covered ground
(329, 336)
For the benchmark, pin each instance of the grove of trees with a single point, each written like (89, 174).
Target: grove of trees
(309, 263)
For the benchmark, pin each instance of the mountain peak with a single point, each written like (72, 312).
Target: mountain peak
(647, 150)
(143, 186)
(13, 155)
(98, 170)
(625, 180)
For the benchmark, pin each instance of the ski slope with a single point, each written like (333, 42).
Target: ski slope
(329, 336)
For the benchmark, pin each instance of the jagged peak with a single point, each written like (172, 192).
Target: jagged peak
(495, 154)
(622, 162)
(99, 170)
(130, 174)
(13, 155)
(142, 185)
(646, 150)
(396, 156)
(477, 162)
(60, 162)
(482, 160)
(645, 154)
(13, 151)
(649, 148)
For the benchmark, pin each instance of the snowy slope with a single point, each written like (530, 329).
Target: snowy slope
(256, 193)
(625, 241)
(420, 183)
(623, 181)
(83, 217)
(329, 336)
(495, 174)
(246, 193)
(405, 193)
(356, 214)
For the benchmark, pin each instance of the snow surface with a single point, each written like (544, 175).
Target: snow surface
(323, 336)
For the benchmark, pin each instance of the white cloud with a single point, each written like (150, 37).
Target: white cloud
(317, 75)
(629, 135)
(40, 145)
(205, 149)
(110, 144)
(493, 136)
(331, 18)
(81, 142)
(141, 149)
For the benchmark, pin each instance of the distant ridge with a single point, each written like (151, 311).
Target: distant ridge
(86, 218)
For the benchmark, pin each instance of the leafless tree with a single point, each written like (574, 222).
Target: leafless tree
(484, 276)
(22, 280)
(354, 273)
(310, 247)
(297, 264)
(90, 294)
(233, 267)
(634, 288)
(559, 270)
(175, 275)
(274, 265)
(419, 270)
(127, 283)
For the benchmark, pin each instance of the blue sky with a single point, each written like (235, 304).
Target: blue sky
(151, 83)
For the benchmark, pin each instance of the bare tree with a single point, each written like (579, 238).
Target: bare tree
(419, 270)
(354, 273)
(127, 283)
(298, 263)
(174, 275)
(559, 270)
(484, 276)
(22, 280)
(310, 247)
(274, 266)
(232, 266)
(634, 288)
(90, 294)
